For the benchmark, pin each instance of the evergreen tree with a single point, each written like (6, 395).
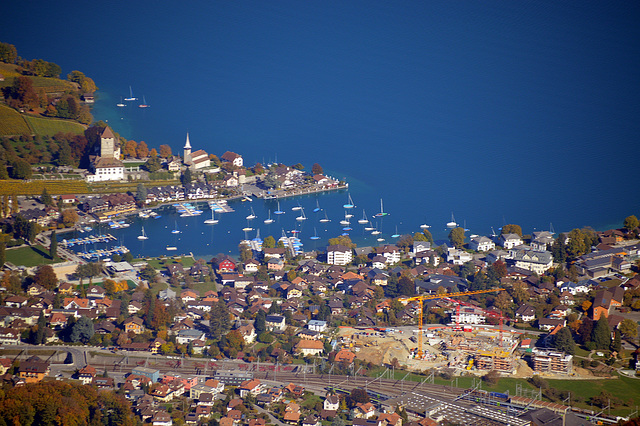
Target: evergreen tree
(82, 330)
(3, 253)
(219, 322)
(616, 344)
(406, 286)
(45, 198)
(260, 322)
(600, 335)
(41, 337)
(53, 247)
(563, 341)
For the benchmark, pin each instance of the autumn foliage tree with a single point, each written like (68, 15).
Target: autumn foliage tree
(46, 277)
(165, 151)
(142, 151)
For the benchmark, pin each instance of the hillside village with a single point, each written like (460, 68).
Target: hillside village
(347, 305)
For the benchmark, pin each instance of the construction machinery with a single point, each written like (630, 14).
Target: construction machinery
(422, 298)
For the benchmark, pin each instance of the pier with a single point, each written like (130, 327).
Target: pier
(220, 206)
(87, 240)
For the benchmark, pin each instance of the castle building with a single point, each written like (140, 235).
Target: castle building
(106, 165)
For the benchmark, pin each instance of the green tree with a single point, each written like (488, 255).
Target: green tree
(53, 247)
(269, 242)
(631, 223)
(629, 328)
(40, 336)
(82, 330)
(141, 193)
(186, 178)
(20, 170)
(511, 229)
(260, 322)
(152, 164)
(600, 335)
(148, 273)
(219, 322)
(8, 53)
(563, 341)
(406, 286)
(456, 236)
(45, 198)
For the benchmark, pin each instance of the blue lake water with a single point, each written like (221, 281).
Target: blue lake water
(498, 112)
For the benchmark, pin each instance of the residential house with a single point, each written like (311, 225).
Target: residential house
(134, 324)
(339, 255)
(33, 369)
(481, 243)
(526, 313)
(509, 241)
(531, 260)
(275, 322)
(251, 387)
(309, 347)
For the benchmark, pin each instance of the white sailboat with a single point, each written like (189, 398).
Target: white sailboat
(345, 221)
(376, 231)
(176, 230)
(211, 221)
(269, 221)
(349, 204)
(121, 104)
(364, 219)
(144, 103)
(302, 216)
(278, 211)
(143, 236)
(453, 223)
(252, 215)
(382, 212)
(425, 226)
(315, 235)
(131, 97)
(325, 219)
(296, 208)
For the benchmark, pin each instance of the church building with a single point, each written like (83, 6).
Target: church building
(196, 160)
(106, 165)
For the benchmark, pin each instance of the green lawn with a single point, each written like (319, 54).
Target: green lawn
(30, 256)
(50, 126)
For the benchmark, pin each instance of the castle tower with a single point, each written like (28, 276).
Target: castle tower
(108, 146)
(186, 154)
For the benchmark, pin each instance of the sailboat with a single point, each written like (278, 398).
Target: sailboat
(315, 235)
(144, 103)
(247, 228)
(382, 212)
(364, 219)
(345, 221)
(131, 97)
(425, 226)
(302, 216)
(252, 215)
(349, 204)
(143, 236)
(369, 227)
(465, 226)
(121, 104)
(325, 219)
(453, 223)
(211, 221)
(278, 211)
(396, 235)
(317, 209)
(269, 220)
(176, 230)
(296, 208)
(376, 231)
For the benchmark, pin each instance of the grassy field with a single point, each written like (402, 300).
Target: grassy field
(102, 187)
(57, 187)
(30, 256)
(51, 126)
(12, 123)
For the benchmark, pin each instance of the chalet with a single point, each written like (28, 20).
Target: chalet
(134, 324)
(526, 313)
(86, 374)
(233, 158)
(227, 265)
(605, 300)
(33, 370)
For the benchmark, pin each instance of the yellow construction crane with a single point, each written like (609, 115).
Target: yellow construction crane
(424, 297)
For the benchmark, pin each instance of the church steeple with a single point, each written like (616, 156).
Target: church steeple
(186, 156)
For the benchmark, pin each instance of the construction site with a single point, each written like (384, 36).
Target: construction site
(477, 348)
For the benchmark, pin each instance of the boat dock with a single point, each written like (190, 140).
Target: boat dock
(220, 206)
(87, 240)
(97, 254)
(187, 209)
